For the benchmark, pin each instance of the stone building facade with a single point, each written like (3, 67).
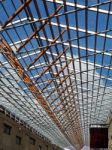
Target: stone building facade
(14, 136)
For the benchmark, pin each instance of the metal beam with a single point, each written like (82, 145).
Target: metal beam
(14, 63)
(26, 22)
(82, 72)
(81, 30)
(82, 6)
(40, 27)
(57, 86)
(66, 44)
(101, 86)
(43, 51)
(53, 63)
(16, 13)
(62, 69)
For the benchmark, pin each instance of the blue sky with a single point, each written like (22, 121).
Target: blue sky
(32, 48)
(102, 23)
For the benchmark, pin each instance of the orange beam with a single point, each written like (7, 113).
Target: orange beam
(57, 86)
(15, 64)
(57, 75)
(44, 50)
(60, 95)
(53, 63)
(16, 12)
(40, 27)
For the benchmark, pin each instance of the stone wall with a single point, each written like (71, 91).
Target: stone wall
(27, 139)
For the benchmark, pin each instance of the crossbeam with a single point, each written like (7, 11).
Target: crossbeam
(53, 63)
(92, 8)
(62, 69)
(43, 51)
(16, 13)
(23, 75)
(14, 62)
(57, 86)
(40, 27)
(67, 44)
(24, 21)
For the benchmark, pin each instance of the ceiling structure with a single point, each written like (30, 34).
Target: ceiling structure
(56, 65)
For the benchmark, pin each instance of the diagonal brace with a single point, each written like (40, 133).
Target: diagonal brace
(40, 27)
(16, 13)
(44, 50)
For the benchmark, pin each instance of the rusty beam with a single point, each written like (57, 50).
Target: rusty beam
(15, 64)
(44, 51)
(69, 108)
(68, 62)
(61, 106)
(53, 63)
(16, 13)
(71, 121)
(57, 87)
(40, 27)
(61, 94)
(28, 81)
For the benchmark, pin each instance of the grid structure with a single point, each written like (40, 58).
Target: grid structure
(56, 65)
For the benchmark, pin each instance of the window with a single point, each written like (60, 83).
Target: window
(7, 129)
(40, 147)
(32, 141)
(18, 140)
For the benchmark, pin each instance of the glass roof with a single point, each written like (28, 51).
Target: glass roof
(56, 65)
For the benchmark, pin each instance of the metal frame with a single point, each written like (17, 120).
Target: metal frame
(42, 79)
